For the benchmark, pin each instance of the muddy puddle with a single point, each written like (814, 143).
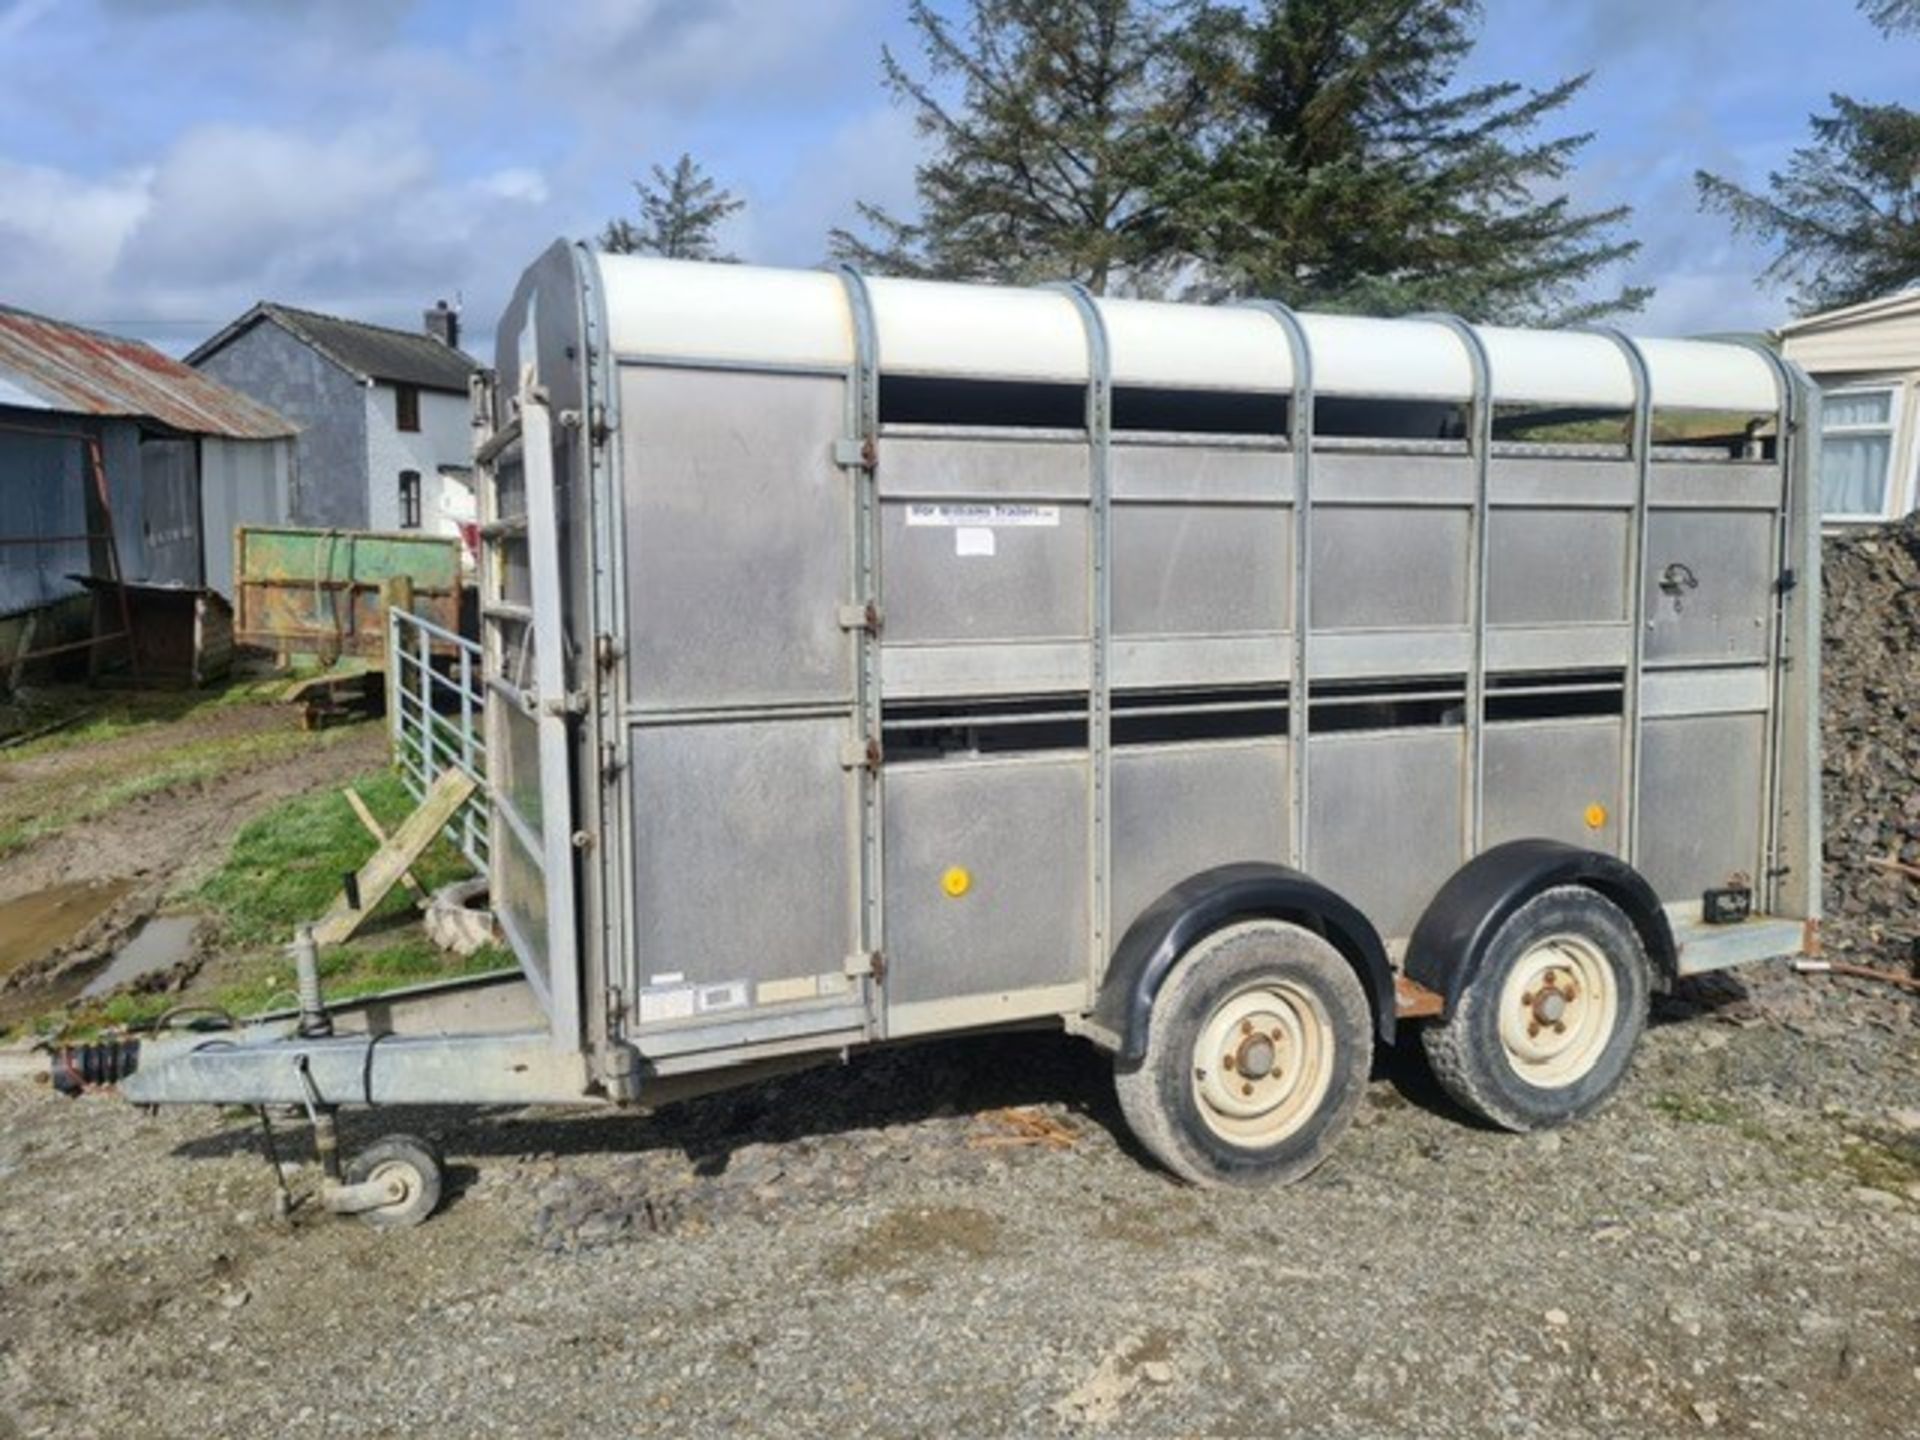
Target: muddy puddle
(48, 921)
(159, 944)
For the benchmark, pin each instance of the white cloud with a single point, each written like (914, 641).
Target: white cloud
(227, 198)
(361, 222)
(389, 153)
(519, 183)
(61, 234)
(604, 57)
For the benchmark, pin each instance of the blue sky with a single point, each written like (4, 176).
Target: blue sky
(164, 163)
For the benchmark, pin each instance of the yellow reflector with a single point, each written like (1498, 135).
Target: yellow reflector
(1596, 816)
(956, 882)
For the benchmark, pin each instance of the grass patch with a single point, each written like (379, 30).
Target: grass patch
(1695, 1109)
(36, 809)
(1880, 1163)
(113, 714)
(286, 866)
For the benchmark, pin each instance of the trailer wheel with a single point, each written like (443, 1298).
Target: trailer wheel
(415, 1165)
(1257, 1056)
(1543, 1034)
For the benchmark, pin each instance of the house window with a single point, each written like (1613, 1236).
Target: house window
(406, 407)
(409, 499)
(1856, 452)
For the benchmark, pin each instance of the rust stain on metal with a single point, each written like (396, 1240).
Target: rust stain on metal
(327, 592)
(1810, 943)
(84, 372)
(1413, 1001)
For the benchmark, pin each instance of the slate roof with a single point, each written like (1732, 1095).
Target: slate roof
(369, 352)
(51, 365)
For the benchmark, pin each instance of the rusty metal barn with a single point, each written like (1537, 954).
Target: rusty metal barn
(121, 467)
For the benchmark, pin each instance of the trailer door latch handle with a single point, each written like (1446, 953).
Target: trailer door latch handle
(860, 755)
(856, 454)
(861, 617)
(868, 962)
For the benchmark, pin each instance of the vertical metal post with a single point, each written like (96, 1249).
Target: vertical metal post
(467, 823)
(487, 513)
(1480, 447)
(554, 704)
(424, 677)
(396, 687)
(1100, 578)
(609, 951)
(1640, 443)
(860, 459)
(1766, 883)
(1299, 688)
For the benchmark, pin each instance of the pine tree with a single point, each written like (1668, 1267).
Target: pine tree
(681, 212)
(1843, 218)
(1048, 120)
(1343, 168)
(1892, 15)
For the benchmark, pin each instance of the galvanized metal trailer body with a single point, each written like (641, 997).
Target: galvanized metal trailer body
(870, 658)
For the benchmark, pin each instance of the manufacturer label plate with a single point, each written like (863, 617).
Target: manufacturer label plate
(1000, 516)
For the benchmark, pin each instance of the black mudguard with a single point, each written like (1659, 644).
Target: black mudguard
(1450, 942)
(1212, 900)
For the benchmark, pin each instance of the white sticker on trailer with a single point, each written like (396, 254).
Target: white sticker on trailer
(972, 540)
(1001, 516)
(666, 1002)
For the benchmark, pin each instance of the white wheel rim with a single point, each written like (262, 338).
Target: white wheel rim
(1557, 1011)
(1263, 1063)
(401, 1173)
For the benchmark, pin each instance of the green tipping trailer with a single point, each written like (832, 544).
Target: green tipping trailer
(327, 592)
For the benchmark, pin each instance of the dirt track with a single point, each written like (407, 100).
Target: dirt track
(1733, 1246)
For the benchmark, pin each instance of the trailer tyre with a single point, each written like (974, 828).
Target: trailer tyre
(1544, 1032)
(414, 1165)
(1257, 1055)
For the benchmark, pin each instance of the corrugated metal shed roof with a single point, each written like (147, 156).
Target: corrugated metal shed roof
(370, 352)
(48, 365)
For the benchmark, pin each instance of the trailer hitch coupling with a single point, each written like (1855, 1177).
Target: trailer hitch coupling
(104, 1062)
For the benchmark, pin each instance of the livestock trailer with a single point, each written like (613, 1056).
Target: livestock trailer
(1237, 689)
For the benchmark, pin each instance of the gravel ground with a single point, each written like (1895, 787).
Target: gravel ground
(956, 1239)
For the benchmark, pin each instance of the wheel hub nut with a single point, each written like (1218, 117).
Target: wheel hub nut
(1254, 1059)
(1550, 1007)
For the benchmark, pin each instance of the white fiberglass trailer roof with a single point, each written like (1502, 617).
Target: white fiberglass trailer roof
(687, 312)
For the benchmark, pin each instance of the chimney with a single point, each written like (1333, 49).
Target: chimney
(443, 323)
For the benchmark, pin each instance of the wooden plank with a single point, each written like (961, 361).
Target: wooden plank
(393, 859)
(375, 829)
(21, 651)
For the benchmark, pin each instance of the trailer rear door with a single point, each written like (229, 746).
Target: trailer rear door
(527, 707)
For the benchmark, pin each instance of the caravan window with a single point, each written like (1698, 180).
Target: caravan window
(1856, 442)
